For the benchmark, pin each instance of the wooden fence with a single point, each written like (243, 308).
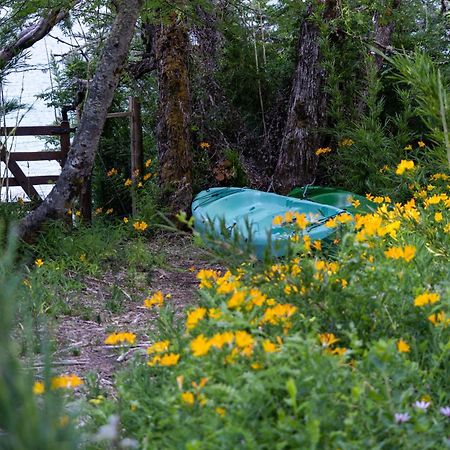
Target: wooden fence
(19, 178)
(63, 130)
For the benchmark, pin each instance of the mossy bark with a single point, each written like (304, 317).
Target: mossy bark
(174, 107)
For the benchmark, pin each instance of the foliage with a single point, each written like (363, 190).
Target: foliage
(32, 422)
(323, 350)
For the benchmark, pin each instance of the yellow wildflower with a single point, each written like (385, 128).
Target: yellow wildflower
(128, 182)
(270, 347)
(243, 339)
(125, 220)
(109, 211)
(112, 172)
(147, 176)
(148, 163)
(200, 346)
(140, 226)
(421, 144)
(220, 339)
(236, 299)
(38, 388)
(158, 347)
(278, 220)
(98, 210)
(170, 359)
(438, 217)
(194, 317)
(323, 150)
(346, 142)
(39, 262)
(119, 338)
(220, 411)
(204, 145)
(214, 313)
(427, 298)
(188, 398)
(66, 382)
(157, 299)
(404, 165)
(328, 339)
(408, 147)
(438, 318)
(403, 346)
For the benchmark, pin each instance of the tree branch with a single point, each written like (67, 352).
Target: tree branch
(34, 33)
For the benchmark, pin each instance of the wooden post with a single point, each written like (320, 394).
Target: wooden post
(64, 138)
(137, 151)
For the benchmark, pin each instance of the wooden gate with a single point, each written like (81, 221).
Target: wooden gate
(19, 178)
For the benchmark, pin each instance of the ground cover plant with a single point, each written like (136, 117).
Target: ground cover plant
(128, 329)
(343, 350)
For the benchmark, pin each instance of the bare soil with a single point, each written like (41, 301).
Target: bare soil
(80, 337)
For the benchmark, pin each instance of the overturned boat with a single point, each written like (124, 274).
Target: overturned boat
(258, 218)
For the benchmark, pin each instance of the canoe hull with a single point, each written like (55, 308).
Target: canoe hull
(250, 214)
(334, 197)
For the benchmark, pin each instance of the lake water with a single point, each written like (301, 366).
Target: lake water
(24, 86)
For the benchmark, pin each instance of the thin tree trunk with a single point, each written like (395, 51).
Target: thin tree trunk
(297, 161)
(174, 108)
(78, 167)
(382, 35)
(33, 33)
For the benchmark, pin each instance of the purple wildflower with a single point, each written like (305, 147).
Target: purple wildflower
(401, 417)
(422, 405)
(445, 411)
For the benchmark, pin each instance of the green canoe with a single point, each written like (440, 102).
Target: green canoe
(334, 197)
(250, 213)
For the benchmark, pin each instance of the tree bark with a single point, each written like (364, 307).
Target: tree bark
(382, 34)
(33, 33)
(173, 134)
(297, 161)
(78, 167)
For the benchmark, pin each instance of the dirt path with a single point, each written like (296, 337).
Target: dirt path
(80, 338)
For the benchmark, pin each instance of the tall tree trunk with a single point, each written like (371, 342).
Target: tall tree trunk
(173, 134)
(297, 161)
(78, 167)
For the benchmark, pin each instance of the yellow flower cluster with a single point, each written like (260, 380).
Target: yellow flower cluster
(323, 150)
(403, 166)
(170, 359)
(120, 338)
(140, 226)
(346, 142)
(407, 253)
(292, 217)
(427, 298)
(60, 382)
(339, 219)
(157, 299)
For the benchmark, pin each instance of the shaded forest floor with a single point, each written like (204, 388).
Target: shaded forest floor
(99, 310)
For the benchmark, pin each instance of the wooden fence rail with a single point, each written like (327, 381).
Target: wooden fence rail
(63, 130)
(19, 178)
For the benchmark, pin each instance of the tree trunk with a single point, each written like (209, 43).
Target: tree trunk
(173, 135)
(78, 167)
(383, 28)
(297, 161)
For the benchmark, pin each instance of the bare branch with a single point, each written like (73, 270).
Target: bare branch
(34, 33)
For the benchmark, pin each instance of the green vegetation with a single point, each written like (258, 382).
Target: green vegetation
(133, 331)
